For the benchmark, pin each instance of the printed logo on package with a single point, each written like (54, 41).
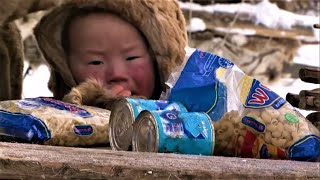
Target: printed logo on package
(261, 96)
(43, 101)
(83, 130)
(174, 126)
(225, 63)
(253, 123)
(202, 54)
(212, 62)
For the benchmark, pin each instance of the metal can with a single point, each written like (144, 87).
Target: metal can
(124, 113)
(173, 132)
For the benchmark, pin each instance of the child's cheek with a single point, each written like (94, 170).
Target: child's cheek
(144, 79)
(90, 73)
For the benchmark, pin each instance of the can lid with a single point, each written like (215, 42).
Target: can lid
(120, 123)
(145, 133)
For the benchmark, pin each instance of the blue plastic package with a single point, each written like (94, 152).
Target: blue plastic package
(250, 120)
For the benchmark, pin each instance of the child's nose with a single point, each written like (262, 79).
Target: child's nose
(117, 74)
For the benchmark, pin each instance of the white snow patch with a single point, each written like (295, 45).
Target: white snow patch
(196, 24)
(266, 13)
(308, 55)
(237, 31)
(35, 83)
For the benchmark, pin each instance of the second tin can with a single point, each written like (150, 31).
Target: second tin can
(173, 132)
(124, 113)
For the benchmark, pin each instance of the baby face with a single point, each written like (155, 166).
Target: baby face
(107, 48)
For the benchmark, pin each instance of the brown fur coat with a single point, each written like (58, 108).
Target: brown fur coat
(11, 62)
(11, 50)
(161, 22)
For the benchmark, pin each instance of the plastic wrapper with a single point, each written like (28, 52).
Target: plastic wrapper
(52, 122)
(250, 120)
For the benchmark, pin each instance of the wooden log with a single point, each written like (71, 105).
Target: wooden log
(306, 99)
(311, 75)
(52, 162)
(293, 99)
(314, 118)
(310, 100)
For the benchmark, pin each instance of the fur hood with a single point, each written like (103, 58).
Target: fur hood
(161, 22)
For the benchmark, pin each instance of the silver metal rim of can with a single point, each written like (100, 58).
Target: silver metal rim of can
(144, 116)
(120, 107)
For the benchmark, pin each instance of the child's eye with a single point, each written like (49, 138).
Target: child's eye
(132, 58)
(95, 62)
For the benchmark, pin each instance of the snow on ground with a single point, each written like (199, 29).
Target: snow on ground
(309, 55)
(35, 83)
(265, 13)
(196, 24)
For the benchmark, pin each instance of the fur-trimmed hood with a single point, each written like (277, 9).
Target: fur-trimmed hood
(161, 22)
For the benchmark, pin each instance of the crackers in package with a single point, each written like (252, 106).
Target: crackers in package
(52, 122)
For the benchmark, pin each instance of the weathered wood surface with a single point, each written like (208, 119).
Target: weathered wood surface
(27, 161)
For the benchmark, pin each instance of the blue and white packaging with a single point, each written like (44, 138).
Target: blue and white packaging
(250, 120)
(51, 122)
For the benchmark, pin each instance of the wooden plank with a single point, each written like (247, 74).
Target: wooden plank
(50, 162)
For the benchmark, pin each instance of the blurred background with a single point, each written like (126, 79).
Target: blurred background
(267, 39)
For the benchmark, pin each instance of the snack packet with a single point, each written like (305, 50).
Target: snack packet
(52, 122)
(250, 120)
